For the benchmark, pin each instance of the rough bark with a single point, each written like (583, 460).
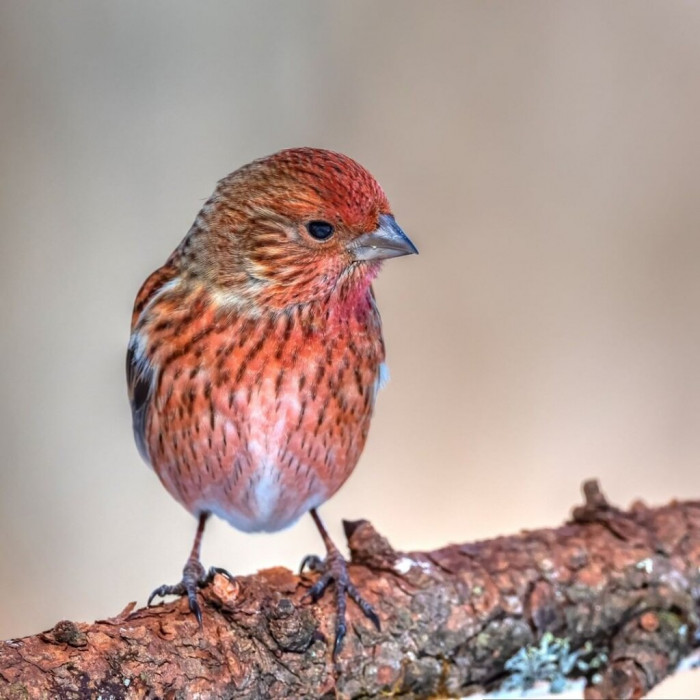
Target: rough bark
(626, 582)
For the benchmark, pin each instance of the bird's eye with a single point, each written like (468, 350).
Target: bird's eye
(320, 230)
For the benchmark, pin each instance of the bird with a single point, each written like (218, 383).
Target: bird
(256, 354)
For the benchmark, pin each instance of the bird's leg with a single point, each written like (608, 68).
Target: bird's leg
(193, 575)
(335, 568)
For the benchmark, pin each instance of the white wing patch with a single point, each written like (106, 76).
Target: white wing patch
(382, 378)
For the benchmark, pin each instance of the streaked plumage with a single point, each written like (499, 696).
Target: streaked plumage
(256, 350)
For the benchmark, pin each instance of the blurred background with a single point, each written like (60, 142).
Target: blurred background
(545, 159)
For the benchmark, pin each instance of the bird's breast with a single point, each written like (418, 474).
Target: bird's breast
(259, 420)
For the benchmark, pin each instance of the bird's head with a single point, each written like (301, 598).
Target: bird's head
(291, 228)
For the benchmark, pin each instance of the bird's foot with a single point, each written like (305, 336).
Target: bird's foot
(194, 576)
(335, 568)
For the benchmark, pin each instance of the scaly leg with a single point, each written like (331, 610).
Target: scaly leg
(335, 568)
(193, 575)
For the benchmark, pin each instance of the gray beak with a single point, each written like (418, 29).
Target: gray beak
(388, 241)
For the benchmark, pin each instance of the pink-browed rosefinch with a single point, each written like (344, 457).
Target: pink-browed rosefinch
(256, 351)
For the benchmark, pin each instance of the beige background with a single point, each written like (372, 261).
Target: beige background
(545, 158)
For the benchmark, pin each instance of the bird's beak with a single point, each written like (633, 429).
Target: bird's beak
(388, 241)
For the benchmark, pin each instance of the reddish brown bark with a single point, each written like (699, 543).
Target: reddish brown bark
(627, 581)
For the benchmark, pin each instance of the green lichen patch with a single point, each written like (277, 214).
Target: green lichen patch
(551, 661)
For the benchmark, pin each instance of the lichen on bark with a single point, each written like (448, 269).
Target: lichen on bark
(618, 587)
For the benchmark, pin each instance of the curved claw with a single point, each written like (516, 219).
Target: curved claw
(373, 617)
(340, 630)
(334, 569)
(165, 589)
(194, 607)
(213, 571)
(311, 561)
(157, 592)
(193, 577)
(366, 608)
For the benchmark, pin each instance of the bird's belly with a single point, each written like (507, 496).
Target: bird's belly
(256, 435)
(264, 486)
(265, 504)
(258, 458)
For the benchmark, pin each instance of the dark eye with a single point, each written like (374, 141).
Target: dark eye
(320, 230)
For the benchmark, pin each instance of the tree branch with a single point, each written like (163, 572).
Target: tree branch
(503, 613)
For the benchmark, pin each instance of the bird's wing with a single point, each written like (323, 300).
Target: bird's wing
(140, 374)
(139, 377)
